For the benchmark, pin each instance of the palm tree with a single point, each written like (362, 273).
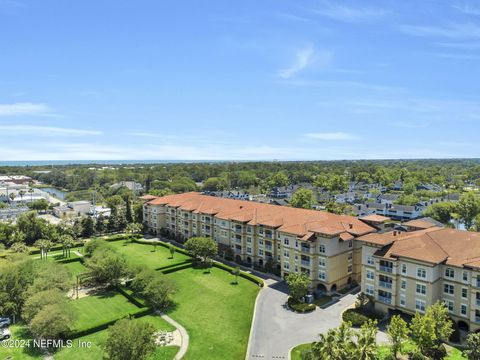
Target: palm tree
(31, 190)
(67, 243)
(44, 246)
(12, 197)
(21, 193)
(366, 341)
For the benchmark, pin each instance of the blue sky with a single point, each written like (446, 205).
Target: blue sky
(250, 79)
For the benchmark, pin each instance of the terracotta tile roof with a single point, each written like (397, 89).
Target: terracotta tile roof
(287, 219)
(434, 245)
(422, 223)
(147, 197)
(375, 218)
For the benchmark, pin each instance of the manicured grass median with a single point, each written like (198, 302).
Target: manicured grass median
(216, 314)
(98, 339)
(146, 255)
(98, 309)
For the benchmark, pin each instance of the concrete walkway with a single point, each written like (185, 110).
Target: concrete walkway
(183, 335)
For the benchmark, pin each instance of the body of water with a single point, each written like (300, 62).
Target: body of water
(59, 194)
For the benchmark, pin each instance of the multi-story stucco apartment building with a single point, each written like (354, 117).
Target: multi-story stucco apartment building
(409, 271)
(317, 243)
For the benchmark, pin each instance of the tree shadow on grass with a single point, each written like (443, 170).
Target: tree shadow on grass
(233, 282)
(24, 333)
(105, 294)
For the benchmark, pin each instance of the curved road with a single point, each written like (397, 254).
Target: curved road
(276, 329)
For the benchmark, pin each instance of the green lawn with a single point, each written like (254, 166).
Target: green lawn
(296, 353)
(144, 254)
(98, 339)
(216, 314)
(101, 308)
(19, 332)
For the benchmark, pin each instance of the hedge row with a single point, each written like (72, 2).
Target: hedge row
(69, 260)
(119, 237)
(53, 248)
(164, 244)
(135, 314)
(244, 275)
(129, 294)
(357, 317)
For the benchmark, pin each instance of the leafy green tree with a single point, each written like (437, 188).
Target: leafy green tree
(33, 227)
(67, 243)
(468, 207)
(50, 275)
(107, 267)
(215, 184)
(441, 211)
(88, 227)
(95, 244)
(278, 179)
(472, 351)
(53, 321)
(407, 199)
(303, 198)
(44, 246)
(39, 300)
(134, 229)
(397, 332)
(39, 205)
(130, 339)
(298, 285)
(19, 247)
(159, 292)
(236, 273)
(171, 248)
(430, 330)
(203, 248)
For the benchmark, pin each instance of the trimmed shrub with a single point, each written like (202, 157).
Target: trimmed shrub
(357, 317)
(161, 243)
(176, 268)
(244, 275)
(300, 307)
(188, 261)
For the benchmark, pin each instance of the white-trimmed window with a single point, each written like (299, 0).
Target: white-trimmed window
(260, 252)
(286, 265)
(404, 268)
(286, 253)
(421, 273)
(370, 260)
(403, 284)
(463, 309)
(322, 262)
(350, 256)
(464, 292)
(448, 289)
(249, 250)
(420, 305)
(421, 289)
(322, 275)
(370, 289)
(350, 243)
(449, 272)
(370, 275)
(403, 300)
(249, 239)
(286, 241)
(260, 241)
(321, 249)
(465, 276)
(449, 305)
(349, 269)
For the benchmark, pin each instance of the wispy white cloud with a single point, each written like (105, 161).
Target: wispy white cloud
(305, 57)
(458, 56)
(349, 13)
(475, 45)
(9, 130)
(452, 31)
(467, 9)
(24, 108)
(332, 136)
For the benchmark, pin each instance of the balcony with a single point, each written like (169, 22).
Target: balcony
(306, 250)
(306, 262)
(477, 302)
(387, 269)
(385, 300)
(268, 247)
(385, 284)
(238, 230)
(477, 283)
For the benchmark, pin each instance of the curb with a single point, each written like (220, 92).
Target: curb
(253, 321)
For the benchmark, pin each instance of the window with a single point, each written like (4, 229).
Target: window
(449, 272)
(260, 252)
(421, 273)
(249, 239)
(350, 243)
(286, 241)
(321, 249)
(465, 276)
(449, 305)
(249, 229)
(464, 293)
(349, 268)
(421, 289)
(286, 265)
(370, 260)
(260, 241)
(286, 253)
(420, 305)
(350, 256)
(403, 300)
(370, 275)
(403, 284)
(321, 262)
(321, 275)
(370, 290)
(448, 289)
(404, 268)
(249, 250)
(463, 309)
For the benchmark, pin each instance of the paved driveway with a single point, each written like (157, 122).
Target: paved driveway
(276, 329)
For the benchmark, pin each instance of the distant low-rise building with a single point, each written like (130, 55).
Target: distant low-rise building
(130, 185)
(73, 209)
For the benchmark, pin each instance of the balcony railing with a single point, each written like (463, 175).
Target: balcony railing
(385, 284)
(237, 230)
(306, 262)
(386, 269)
(269, 235)
(306, 250)
(384, 299)
(268, 247)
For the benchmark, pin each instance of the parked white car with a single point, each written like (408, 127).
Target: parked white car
(5, 334)
(4, 322)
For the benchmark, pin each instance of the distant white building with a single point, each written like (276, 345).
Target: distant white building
(131, 185)
(73, 209)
